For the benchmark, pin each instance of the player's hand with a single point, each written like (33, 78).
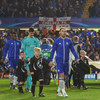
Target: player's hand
(4, 61)
(28, 72)
(28, 59)
(51, 63)
(77, 61)
(32, 73)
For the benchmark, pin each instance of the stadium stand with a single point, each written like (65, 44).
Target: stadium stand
(35, 8)
(94, 9)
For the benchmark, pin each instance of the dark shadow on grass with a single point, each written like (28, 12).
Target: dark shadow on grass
(93, 87)
(92, 84)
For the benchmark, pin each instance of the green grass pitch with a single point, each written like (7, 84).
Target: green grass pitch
(92, 93)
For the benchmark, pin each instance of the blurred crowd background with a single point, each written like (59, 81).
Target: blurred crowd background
(37, 8)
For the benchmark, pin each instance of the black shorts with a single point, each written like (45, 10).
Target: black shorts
(22, 77)
(37, 76)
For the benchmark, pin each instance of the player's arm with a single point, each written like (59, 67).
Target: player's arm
(5, 50)
(37, 43)
(54, 48)
(23, 45)
(73, 50)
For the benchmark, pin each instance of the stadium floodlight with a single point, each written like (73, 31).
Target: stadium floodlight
(28, 29)
(35, 29)
(93, 28)
(2, 29)
(83, 29)
(24, 28)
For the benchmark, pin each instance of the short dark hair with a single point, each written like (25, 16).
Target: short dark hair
(31, 30)
(22, 52)
(45, 40)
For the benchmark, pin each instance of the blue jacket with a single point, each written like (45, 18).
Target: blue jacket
(46, 50)
(13, 48)
(62, 48)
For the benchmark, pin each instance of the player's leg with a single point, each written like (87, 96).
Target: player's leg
(11, 73)
(78, 80)
(70, 78)
(41, 80)
(41, 88)
(29, 83)
(29, 80)
(60, 68)
(53, 75)
(60, 78)
(34, 80)
(20, 87)
(14, 80)
(11, 76)
(96, 75)
(21, 80)
(66, 76)
(15, 77)
(82, 82)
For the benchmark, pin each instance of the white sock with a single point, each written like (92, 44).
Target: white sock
(61, 83)
(15, 80)
(11, 78)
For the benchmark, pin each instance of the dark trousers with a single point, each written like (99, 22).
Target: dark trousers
(80, 77)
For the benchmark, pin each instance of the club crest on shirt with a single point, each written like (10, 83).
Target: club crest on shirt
(59, 43)
(17, 43)
(66, 43)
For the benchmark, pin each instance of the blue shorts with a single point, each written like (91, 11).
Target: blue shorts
(63, 68)
(13, 63)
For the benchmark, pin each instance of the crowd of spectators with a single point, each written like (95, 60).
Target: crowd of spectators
(37, 8)
(87, 41)
(94, 9)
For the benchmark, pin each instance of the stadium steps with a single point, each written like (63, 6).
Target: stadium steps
(85, 11)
